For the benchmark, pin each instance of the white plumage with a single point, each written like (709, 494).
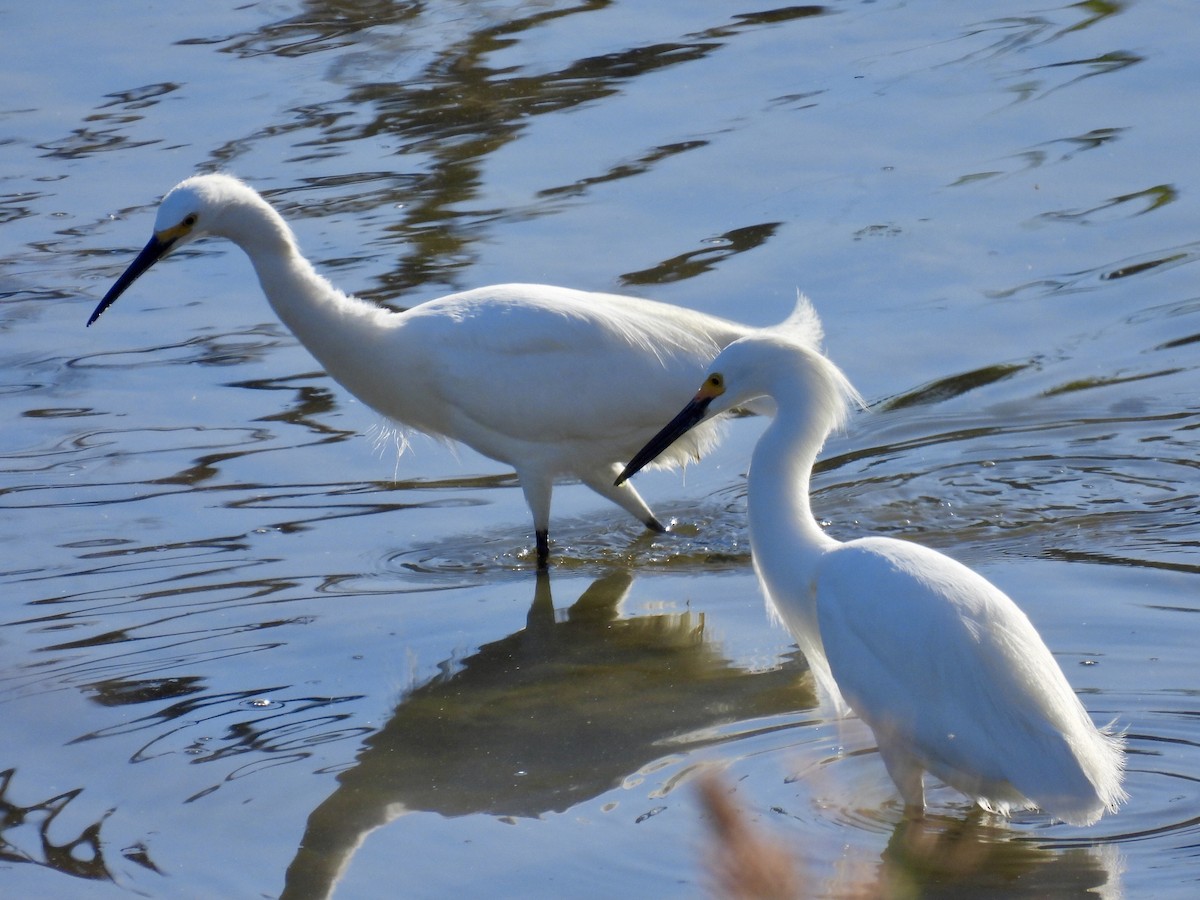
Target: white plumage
(950, 675)
(503, 369)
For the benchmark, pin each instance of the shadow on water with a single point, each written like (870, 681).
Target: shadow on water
(541, 721)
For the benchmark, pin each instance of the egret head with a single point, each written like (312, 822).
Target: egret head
(192, 209)
(770, 365)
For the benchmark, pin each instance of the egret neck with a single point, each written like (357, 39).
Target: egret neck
(339, 330)
(786, 540)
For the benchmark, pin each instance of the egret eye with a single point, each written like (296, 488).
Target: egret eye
(189, 220)
(716, 381)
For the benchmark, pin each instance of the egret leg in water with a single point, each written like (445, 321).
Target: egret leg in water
(503, 369)
(949, 674)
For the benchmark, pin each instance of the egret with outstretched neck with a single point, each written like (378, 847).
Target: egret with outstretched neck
(503, 369)
(947, 671)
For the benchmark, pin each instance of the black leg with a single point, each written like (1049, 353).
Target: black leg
(654, 525)
(543, 548)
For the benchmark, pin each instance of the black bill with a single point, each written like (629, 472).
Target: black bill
(688, 417)
(151, 253)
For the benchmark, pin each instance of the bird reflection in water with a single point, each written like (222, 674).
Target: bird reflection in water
(932, 856)
(540, 721)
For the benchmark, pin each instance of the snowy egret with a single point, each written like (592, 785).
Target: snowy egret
(503, 369)
(949, 674)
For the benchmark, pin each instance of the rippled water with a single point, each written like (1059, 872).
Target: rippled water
(247, 649)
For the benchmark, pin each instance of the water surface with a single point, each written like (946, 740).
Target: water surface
(247, 649)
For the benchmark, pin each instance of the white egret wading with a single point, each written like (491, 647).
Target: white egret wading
(945, 669)
(506, 369)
